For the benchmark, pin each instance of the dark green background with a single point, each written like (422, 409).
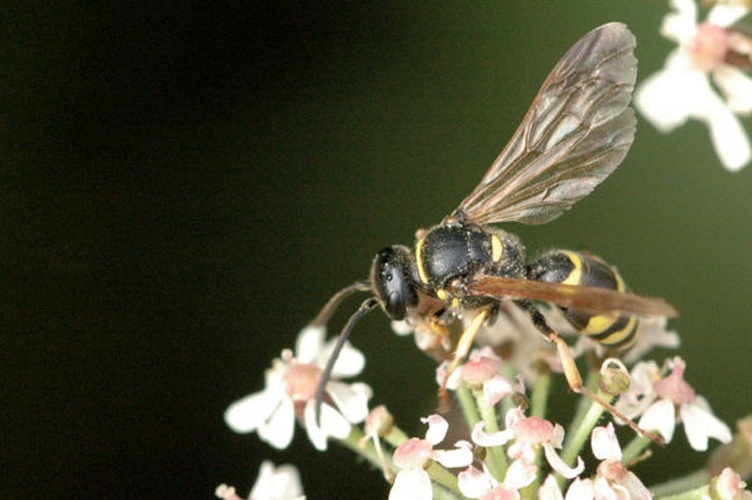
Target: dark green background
(183, 187)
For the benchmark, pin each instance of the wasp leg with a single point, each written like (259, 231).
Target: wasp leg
(461, 352)
(572, 373)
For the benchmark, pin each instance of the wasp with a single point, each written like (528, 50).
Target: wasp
(576, 133)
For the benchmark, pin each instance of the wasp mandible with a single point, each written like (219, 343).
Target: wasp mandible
(577, 131)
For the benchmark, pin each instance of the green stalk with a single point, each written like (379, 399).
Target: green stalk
(467, 403)
(678, 488)
(496, 458)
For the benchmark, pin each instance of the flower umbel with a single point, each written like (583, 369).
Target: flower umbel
(290, 392)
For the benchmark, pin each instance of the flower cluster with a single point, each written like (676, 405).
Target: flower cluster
(529, 456)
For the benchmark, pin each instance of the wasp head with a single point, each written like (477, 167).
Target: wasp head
(393, 280)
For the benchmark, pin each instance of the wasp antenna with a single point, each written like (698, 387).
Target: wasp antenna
(326, 312)
(364, 309)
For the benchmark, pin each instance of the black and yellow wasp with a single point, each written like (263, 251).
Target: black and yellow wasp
(577, 131)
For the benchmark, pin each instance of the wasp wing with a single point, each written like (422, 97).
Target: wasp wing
(586, 298)
(575, 134)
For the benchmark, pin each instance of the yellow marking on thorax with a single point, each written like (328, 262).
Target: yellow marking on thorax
(497, 248)
(419, 259)
(442, 294)
(620, 286)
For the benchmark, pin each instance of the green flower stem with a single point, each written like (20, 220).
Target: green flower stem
(579, 435)
(496, 458)
(441, 493)
(635, 448)
(693, 485)
(395, 436)
(442, 476)
(585, 403)
(507, 403)
(467, 403)
(541, 389)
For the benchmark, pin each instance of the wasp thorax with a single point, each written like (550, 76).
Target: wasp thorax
(392, 281)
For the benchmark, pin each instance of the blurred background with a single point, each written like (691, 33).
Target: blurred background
(183, 187)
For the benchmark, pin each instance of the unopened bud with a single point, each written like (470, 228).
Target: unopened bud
(614, 377)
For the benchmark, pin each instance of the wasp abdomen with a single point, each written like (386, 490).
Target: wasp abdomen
(613, 330)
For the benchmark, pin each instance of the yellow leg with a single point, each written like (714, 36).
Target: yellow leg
(574, 379)
(461, 352)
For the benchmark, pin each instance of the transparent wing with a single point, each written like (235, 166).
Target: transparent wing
(575, 134)
(586, 298)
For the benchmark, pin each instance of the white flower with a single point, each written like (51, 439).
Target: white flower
(480, 370)
(290, 391)
(280, 483)
(663, 402)
(413, 482)
(528, 434)
(474, 483)
(614, 480)
(682, 89)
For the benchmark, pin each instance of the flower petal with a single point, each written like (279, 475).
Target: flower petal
(605, 490)
(700, 424)
(349, 363)
(550, 490)
(520, 474)
(581, 489)
(411, 484)
(604, 443)
(636, 488)
(309, 343)
(726, 15)
(473, 483)
(437, 428)
(248, 413)
(495, 389)
(280, 484)
(664, 98)
(680, 26)
(459, 457)
(412, 454)
(661, 417)
(487, 439)
(332, 424)
(736, 87)
(729, 137)
(279, 429)
(558, 465)
(350, 399)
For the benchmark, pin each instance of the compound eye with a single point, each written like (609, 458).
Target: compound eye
(395, 306)
(392, 284)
